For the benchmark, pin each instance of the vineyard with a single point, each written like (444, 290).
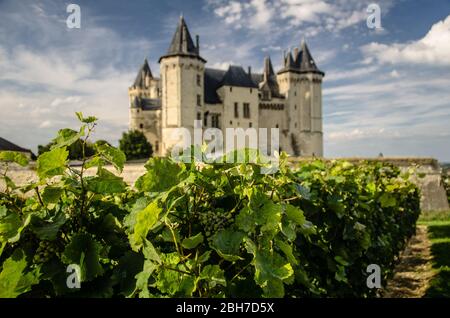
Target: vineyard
(219, 230)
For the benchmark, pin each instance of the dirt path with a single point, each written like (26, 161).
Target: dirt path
(414, 272)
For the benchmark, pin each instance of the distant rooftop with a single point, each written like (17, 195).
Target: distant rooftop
(6, 145)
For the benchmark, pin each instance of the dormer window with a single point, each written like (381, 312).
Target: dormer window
(266, 95)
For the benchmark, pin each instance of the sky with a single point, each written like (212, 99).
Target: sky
(385, 90)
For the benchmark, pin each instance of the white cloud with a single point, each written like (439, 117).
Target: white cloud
(63, 101)
(221, 65)
(67, 71)
(337, 74)
(314, 16)
(300, 11)
(394, 74)
(432, 49)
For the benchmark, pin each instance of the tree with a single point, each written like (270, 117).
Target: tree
(135, 145)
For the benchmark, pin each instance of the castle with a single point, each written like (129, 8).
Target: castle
(187, 90)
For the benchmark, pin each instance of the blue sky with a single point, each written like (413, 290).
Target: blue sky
(384, 91)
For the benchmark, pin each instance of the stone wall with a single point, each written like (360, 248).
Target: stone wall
(434, 197)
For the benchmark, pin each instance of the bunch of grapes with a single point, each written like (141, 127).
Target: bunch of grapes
(214, 221)
(45, 251)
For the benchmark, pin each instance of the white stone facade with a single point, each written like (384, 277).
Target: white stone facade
(187, 90)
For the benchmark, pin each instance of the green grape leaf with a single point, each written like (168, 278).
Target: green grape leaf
(87, 120)
(106, 183)
(150, 252)
(51, 194)
(295, 214)
(227, 243)
(271, 270)
(214, 275)
(143, 277)
(287, 250)
(52, 163)
(145, 220)
(162, 174)
(84, 251)
(193, 241)
(14, 280)
(14, 156)
(66, 137)
(204, 257)
(130, 265)
(11, 226)
(113, 155)
(47, 229)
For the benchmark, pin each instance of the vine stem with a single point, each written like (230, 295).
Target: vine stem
(39, 196)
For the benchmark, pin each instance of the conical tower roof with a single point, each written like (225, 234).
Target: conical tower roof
(182, 44)
(144, 71)
(307, 64)
(289, 64)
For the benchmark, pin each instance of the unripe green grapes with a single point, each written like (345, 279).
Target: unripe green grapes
(45, 251)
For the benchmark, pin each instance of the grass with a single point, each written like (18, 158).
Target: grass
(439, 234)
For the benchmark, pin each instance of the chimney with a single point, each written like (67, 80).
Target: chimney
(250, 71)
(197, 43)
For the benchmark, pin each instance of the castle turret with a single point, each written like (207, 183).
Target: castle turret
(145, 106)
(311, 132)
(182, 76)
(287, 79)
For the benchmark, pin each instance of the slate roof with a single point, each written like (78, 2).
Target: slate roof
(303, 62)
(235, 76)
(146, 103)
(182, 44)
(143, 72)
(6, 145)
(269, 78)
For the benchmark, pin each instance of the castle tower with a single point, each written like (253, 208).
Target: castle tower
(182, 75)
(311, 131)
(145, 106)
(288, 79)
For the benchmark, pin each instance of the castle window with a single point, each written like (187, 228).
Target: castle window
(250, 125)
(236, 110)
(231, 89)
(199, 100)
(276, 126)
(199, 116)
(231, 122)
(215, 121)
(295, 106)
(141, 126)
(251, 90)
(246, 110)
(205, 120)
(156, 145)
(199, 80)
